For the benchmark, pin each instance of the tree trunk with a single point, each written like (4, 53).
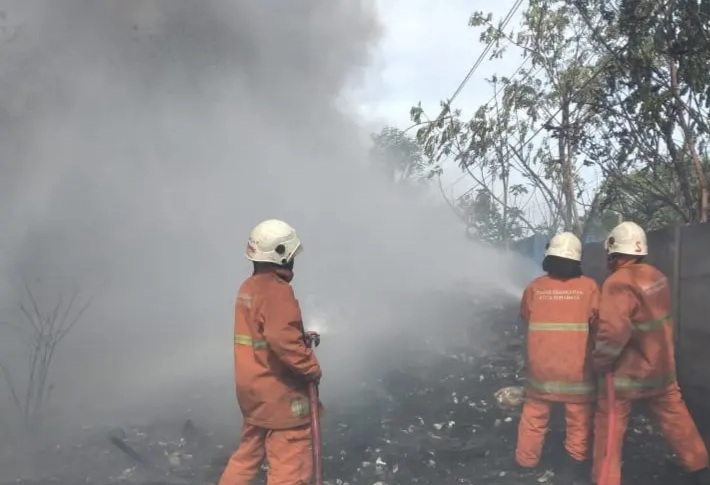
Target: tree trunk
(571, 217)
(691, 146)
(700, 172)
(504, 235)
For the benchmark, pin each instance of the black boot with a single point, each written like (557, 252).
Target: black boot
(701, 477)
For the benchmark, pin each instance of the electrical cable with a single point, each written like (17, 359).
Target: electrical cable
(476, 64)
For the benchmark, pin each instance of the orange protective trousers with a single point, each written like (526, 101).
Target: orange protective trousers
(533, 427)
(288, 452)
(672, 417)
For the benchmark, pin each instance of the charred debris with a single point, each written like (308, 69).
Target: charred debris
(446, 416)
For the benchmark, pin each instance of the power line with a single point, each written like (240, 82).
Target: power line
(480, 59)
(478, 62)
(523, 143)
(475, 66)
(492, 98)
(589, 81)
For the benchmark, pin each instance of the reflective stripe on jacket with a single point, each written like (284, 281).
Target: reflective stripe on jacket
(271, 361)
(558, 314)
(635, 331)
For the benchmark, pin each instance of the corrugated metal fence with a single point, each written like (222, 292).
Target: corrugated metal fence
(683, 254)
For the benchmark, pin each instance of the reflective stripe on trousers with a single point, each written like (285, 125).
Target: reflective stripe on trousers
(631, 384)
(674, 421)
(243, 339)
(559, 387)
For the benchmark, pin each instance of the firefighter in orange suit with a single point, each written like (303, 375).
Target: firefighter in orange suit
(559, 309)
(272, 365)
(634, 341)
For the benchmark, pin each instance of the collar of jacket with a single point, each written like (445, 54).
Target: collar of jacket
(283, 273)
(624, 263)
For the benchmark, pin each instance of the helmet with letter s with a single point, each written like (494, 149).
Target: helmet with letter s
(628, 238)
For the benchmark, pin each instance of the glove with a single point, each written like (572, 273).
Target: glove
(602, 364)
(316, 378)
(312, 339)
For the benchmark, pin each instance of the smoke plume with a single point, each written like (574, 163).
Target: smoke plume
(142, 140)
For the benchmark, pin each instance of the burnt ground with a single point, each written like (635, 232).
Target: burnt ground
(433, 420)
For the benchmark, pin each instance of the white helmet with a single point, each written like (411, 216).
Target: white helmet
(627, 238)
(273, 241)
(565, 245)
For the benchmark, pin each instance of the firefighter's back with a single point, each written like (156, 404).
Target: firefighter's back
(647, 364)
(269, 394)
(558, 314)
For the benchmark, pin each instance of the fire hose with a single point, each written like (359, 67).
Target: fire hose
(313, 340)
(611, 429)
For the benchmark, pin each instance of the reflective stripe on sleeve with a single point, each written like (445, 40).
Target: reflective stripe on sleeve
(244, 299)
(651, 325)
(242, 339)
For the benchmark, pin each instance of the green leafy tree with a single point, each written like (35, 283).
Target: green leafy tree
(644, 198)
(654, 101)
(398, 156)
(527, 139)
(485, 221)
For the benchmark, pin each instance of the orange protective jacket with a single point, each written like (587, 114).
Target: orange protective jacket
(559, 314)
(635, 331)
(272, 364)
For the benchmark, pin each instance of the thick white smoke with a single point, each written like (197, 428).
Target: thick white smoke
(141, 142)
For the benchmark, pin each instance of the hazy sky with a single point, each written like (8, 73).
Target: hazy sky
(426, 50)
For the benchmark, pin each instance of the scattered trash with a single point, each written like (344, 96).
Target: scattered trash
(510, 397)
(437, 419)
(546, 477)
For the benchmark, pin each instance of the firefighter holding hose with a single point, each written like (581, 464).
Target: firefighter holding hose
(558, 310)
(273, 365)
(634, 348)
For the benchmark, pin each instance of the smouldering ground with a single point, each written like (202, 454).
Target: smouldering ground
(432, 421)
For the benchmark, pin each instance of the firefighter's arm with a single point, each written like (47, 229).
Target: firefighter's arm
(613, 330)
(524, 312)
(284, 335)
(525, 306)
(594, 310)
